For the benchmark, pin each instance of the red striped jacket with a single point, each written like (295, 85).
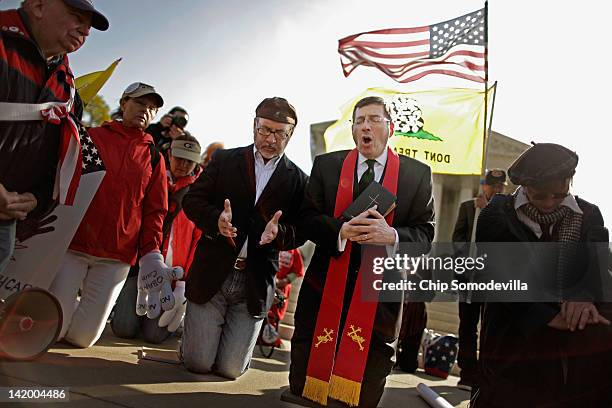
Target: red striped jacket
(29, 149)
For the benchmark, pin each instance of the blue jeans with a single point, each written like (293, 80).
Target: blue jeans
(127, 324)
(220, 335)
(7, 243)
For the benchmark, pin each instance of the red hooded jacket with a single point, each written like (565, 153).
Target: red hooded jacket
(126, 215)
(184, 235)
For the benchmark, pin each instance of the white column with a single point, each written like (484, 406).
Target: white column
(438, 189)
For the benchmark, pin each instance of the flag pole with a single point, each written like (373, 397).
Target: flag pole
(486, 133)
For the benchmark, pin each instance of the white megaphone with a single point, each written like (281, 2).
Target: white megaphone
(30, 322)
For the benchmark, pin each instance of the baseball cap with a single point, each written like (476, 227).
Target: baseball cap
(495, 176)
(98, 21)
(138, 89)
(277, 109)
(186, 149)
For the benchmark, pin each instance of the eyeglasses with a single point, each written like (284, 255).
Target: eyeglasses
(544, 196)
(280, 135)
(373, 119)
(150, 108)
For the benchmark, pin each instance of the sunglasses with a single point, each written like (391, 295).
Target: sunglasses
(544, 196)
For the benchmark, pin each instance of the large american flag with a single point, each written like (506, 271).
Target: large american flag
(455, 47)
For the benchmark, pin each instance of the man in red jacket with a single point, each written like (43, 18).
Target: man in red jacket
(36, 84)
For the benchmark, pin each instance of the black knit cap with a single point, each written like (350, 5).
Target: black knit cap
(543, 162)
(278, 110)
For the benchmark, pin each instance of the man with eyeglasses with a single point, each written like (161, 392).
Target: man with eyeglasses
(40, 110)
(324, 318)
(547, 354)
(246, 203)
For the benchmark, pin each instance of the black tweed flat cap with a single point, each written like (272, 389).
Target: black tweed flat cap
(543, 162)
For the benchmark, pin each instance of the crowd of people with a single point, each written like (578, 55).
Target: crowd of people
(199, 243)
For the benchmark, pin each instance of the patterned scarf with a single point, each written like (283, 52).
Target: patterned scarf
(569, 234)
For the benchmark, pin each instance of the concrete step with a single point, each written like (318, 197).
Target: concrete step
(443, 317)
(289, 318)
(286, 331)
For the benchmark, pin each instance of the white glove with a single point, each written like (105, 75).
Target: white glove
(285, 259)
(173, 317)
(155, 285)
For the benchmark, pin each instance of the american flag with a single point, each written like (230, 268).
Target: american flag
(455, 47)
(91, 158)
(440, 354)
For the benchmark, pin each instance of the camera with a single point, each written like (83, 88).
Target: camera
(179, 121)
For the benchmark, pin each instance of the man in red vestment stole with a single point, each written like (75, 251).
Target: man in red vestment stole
(344, 346)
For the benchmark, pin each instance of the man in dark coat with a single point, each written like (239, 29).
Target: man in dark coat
(412, 222)
(545, 354)
(245, 202)
(469, 313)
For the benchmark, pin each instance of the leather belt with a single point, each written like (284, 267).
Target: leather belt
(240, 264)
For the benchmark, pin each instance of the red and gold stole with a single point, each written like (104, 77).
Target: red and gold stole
(339, 375)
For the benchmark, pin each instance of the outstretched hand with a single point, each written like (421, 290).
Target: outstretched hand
(271, 230)
(225, 221)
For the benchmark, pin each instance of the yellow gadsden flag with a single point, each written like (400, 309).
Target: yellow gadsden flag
(443, 128)
(89, 85)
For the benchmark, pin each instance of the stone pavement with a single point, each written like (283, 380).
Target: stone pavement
(111, 375)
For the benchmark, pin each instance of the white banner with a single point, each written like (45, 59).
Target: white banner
(39, 251)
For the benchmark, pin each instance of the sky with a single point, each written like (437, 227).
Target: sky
(219, 59)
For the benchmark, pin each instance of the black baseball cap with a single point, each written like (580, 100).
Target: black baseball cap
(495, 176)
(98, 21)
(277, 109)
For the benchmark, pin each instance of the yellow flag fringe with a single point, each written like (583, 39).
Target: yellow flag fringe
(316, 390)
(344, 390)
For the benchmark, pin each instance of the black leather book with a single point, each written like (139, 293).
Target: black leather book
(374, 195)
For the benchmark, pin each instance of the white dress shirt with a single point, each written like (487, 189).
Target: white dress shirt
(263, 173)
(521, 199)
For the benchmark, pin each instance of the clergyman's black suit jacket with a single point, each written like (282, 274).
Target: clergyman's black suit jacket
(414, 222)
(231, 175)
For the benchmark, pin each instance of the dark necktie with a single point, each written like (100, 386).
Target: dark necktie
(545, 237)
(368, 176)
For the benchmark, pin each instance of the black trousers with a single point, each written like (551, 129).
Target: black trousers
(414, 322)
(469, 316)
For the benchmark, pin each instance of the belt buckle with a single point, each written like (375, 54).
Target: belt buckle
(240, 264)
